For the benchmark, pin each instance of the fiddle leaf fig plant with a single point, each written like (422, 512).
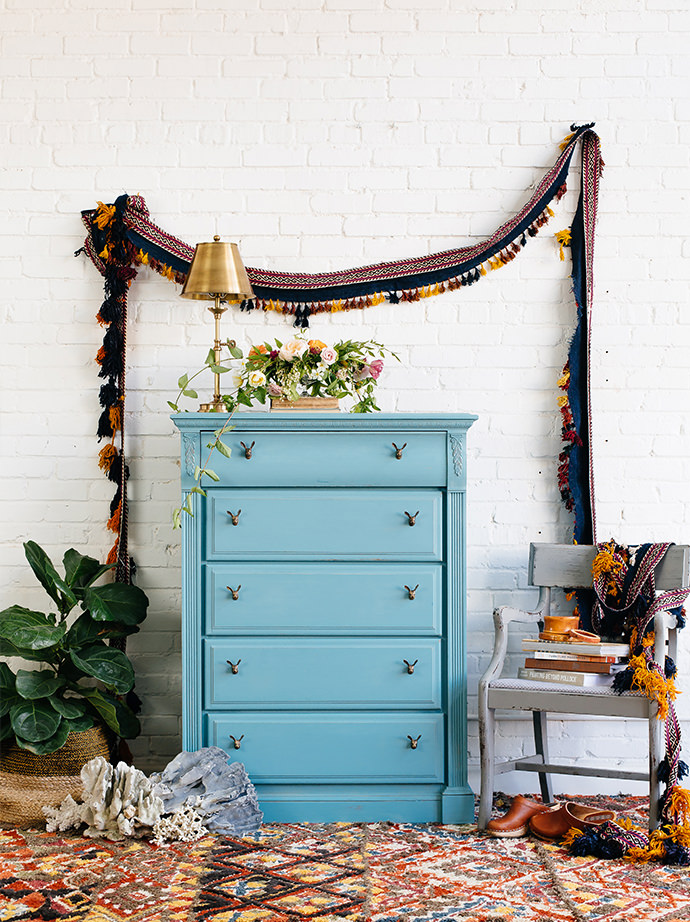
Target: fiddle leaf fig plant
(82, 680)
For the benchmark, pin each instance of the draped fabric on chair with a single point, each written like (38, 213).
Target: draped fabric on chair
(121, 238)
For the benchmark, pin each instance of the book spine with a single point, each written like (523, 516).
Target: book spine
(545, 675)
(571, 666)
(575, 657)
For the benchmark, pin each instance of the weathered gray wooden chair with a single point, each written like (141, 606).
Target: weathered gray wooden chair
(569, 566)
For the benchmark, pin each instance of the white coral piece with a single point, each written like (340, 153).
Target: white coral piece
(117, 802)
(184, 825)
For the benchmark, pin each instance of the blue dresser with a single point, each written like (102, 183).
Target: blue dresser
(323, 612)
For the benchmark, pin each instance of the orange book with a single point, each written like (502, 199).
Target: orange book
(573, 665)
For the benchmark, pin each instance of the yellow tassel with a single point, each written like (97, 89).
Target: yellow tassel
(677, 805)
(143, 258)
(562, 400)
(104, 215)
(571, 835)
(566, 141)
(550, 212)
(563, 237)
(104, 252)
(482, 269)
(637, 854)
(564, 380)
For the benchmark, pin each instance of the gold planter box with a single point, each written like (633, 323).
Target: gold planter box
(325, 404)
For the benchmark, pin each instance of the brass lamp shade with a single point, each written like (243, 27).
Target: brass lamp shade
(217, 271)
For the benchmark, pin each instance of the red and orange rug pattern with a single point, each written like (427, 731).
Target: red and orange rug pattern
(380, 872)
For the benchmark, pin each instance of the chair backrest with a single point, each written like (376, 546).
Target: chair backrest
(569, 566)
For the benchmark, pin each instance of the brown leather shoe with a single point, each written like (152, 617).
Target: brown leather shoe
(516, 821)
(554, 825)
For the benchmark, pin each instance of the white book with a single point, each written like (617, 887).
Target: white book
(560, 646)
(556, 677)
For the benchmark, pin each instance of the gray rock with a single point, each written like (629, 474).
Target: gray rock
(222, 793)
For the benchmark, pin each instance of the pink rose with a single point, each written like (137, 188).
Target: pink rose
(295, 349)
(274, 390)
(328, 355)
(375, 368)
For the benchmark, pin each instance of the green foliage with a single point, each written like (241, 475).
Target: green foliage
(83, 679)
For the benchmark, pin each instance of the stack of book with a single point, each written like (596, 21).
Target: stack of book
(566, 663)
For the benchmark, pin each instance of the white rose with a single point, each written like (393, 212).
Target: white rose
(328, 355)
(236, 380)
(295, 349)
(256, 379)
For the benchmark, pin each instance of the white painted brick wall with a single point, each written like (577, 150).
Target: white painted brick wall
(323, 134)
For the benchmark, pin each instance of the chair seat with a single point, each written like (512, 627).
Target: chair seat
(554, 688)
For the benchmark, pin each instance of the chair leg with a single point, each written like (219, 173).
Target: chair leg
(656, 742)
(542, 749)
(487, 727)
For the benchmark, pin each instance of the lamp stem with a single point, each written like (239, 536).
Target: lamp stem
(216, 405)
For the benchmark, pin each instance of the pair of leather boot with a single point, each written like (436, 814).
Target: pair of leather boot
(546, 821)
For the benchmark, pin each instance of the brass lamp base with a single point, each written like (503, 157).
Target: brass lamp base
(216, 406)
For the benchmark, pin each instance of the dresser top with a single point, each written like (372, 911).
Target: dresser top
(320, 421)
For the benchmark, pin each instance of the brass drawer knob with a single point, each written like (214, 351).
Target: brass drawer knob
(410, 592)
(236, 742)
(413, 742)
(399, 451)
(235, 516)
(410, 666)
(234, 667)
(411, 518)
(234, 592)
(248, 450)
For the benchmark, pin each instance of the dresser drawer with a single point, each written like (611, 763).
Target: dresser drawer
(320, 672)
(322, 524)
(324, 598)
(298, 458)
(332, 748)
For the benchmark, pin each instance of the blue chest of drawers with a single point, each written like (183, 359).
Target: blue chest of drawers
(323, 612)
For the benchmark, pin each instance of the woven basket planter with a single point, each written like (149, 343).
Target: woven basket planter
(29, 782)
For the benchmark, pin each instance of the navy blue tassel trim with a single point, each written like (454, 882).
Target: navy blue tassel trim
(622, 681)
(670, 668)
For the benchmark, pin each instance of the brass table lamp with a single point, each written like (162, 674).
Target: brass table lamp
(217, 274)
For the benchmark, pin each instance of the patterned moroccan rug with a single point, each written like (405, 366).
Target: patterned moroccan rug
(378, 872)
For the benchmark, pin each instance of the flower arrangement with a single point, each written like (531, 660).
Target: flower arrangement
(297, 368)
(300, 368)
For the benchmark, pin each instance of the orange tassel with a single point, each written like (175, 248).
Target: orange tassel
(114, 520)
(115, 414)
(100, 355)
(112, 554)
(106, 457)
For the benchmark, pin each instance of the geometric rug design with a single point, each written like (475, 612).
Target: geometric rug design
(339, 872)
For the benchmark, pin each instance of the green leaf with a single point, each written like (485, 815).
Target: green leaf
(211, 357)
(34, 721)
(82, 571)
(34, 684)
(173, 406)
(177, 518)
(107, 664)
(81, 723)
(224, 449)
(29, 630)
(49, 744)
(189, 392)
(7, 681)
(48, 576)
(6, 730)
(68, 707)
(127, 720)
(198, 490)
(104, 705)
(183, 382)
(212, 474)
(219, 369)
(116, 602)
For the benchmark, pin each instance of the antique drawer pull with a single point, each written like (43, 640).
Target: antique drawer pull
(235, 667)
(410, 592)
(411, 518)
(235, 592)
(235, 516)
(236, 742)
(410, 666)
(248, 450)
(413, 743)
(399, 451)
